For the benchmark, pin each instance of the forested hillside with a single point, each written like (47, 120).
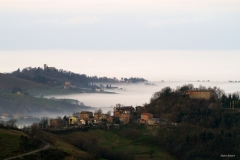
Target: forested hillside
(198, 128)
(57, 77)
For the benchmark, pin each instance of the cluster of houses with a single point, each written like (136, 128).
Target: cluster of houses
(121, 115)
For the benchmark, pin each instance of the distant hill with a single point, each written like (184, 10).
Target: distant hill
(7, 81)
(52, 76)
(14, 103)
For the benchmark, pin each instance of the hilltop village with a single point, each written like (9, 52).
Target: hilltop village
(122, 115)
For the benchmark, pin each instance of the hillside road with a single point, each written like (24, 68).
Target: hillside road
(46, 145)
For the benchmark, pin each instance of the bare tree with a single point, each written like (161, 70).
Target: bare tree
(36, 132)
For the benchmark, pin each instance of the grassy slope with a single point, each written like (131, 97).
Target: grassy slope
(10, 139)
(9, 143)
(68, 148)
(109, 139)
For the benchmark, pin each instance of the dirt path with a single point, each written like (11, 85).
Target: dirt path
(32, 152)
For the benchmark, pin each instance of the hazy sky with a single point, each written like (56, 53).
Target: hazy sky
(153, 39)
(120, 25)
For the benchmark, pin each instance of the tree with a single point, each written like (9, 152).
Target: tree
(185, 88)
(44, 122)
(12, 123)
(201, 87)
(109, 113)
(36, 131)
(65, 119)
(119, 105)
(60, 121)
(117, 121)
(76, 114)
(99, 111)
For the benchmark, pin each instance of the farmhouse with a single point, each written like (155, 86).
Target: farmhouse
(86, 115)
(104, 117)
(97, 115)
(72, 120)
(200, 94)
(124, 114)
(110, 119)
(145, 117)
(56, 123)
(126, 109)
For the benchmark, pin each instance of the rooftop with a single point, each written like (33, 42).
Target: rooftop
(200, 90)
(146, 113)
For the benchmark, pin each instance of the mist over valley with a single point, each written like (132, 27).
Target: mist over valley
(137, 94)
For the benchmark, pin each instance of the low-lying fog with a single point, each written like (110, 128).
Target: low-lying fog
(137, 94)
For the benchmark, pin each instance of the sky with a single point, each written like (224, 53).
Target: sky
(153, 39)
(120, 25)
